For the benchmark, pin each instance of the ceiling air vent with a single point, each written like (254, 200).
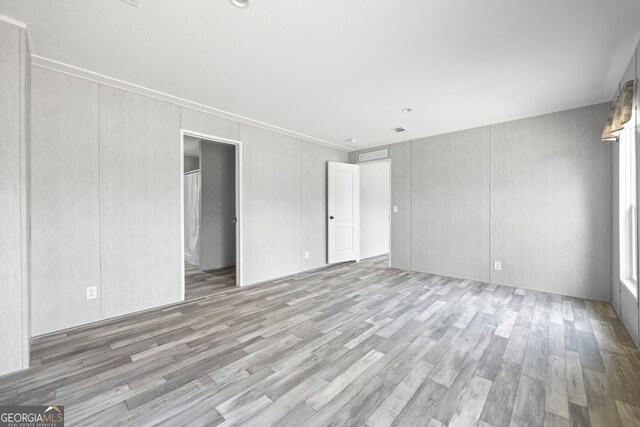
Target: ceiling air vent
(399, 129)
(372, 155)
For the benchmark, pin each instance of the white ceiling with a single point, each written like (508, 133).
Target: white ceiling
(336, 69)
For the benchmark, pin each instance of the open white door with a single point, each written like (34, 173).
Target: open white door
(343, 209)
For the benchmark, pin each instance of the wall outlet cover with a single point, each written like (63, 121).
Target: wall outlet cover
(306, 255)
(395, 209)
(497, 266)
(92, 292)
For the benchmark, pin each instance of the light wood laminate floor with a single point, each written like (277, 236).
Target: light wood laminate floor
(353, 344)
(198, 284)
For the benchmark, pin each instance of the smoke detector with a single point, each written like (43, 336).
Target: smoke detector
(399, 129)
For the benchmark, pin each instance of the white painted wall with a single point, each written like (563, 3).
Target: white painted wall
(272, 204)
(374, 208)
(65, 214)
(217, 205)
(534, 194)
(450, 204)
(401, 189)
(14, 191)
(140, 202)
(551, 203)
(135, 204)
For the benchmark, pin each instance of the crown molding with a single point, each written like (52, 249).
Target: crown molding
(61, 67)
(13, 22)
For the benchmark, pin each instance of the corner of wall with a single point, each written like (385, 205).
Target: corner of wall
(353, 157)
(14, 218)
(25, 185)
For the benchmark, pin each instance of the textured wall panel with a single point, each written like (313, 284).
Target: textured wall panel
(271, 204)
(65, 201)
(217, 205)
(25, 166)
(140, 165)
(12, 315)
(197, 121)
(450, 195)
(551, 203)
(400, 245)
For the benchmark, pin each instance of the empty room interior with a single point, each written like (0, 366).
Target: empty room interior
(319, 213)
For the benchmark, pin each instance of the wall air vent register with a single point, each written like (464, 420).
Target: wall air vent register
(373, 155)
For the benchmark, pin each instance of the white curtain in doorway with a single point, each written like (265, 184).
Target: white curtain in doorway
(192, 218)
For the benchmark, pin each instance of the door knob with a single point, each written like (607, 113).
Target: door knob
(331, 217)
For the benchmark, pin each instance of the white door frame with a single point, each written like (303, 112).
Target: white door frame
(238, 145)
(389, 206)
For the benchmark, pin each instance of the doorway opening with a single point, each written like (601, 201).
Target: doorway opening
(359, 211)
(210, 223)
(375, 209)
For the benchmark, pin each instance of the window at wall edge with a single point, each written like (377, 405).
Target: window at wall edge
(628, 208)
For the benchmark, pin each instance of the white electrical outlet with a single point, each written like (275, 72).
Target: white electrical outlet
(92, 292)
(306, 255)
(395, 209)
(497, 266)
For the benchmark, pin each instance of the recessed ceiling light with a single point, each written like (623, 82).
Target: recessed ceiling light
(407, 110)
(352, 140)
(242, 4)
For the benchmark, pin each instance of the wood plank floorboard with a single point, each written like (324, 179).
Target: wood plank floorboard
(199, 284)
(351, 344)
